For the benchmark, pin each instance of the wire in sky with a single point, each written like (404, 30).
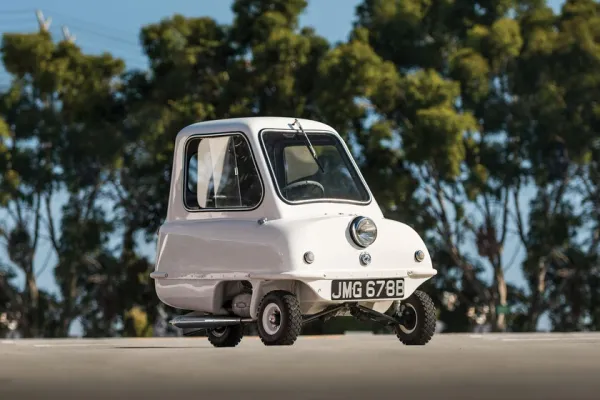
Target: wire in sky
(87, 23)
(110, 37)
(2, 12)
(83, 27)
(12, 18)
(18, 23)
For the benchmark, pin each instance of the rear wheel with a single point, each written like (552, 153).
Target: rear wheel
(418, 319)
(226, 336)
(279, 319)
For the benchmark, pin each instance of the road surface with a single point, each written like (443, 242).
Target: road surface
(528, 366)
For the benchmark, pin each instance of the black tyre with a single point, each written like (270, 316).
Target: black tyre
(419, 316)
(279, 319)
(227, 336)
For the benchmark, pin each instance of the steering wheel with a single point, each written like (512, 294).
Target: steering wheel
(305, 183)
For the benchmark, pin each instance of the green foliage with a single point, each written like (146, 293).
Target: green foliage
(350, 71)
(472, 70)
(255, 20)
(428, 116)
(9, 178)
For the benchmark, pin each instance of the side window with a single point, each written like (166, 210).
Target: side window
(220, 174)
(192, 171)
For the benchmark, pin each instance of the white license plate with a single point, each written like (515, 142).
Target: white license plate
(362, 289)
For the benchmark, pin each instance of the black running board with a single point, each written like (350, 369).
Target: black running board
(206, 322)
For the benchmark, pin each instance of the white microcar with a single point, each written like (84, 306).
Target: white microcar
(270, 222)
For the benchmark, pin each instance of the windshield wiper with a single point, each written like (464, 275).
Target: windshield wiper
(309, 145)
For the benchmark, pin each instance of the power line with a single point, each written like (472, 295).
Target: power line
(10, 18)
(110, 37)
(45, 23)
(16, 11)
(87, 23)
(84, 26)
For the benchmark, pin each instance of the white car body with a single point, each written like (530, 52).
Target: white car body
(203, 255)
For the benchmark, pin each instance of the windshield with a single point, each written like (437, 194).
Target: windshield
(299, 177)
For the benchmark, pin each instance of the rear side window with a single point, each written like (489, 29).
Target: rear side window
(220, 174)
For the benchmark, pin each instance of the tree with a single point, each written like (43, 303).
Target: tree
(448, 117)
(58, 115)
(562, 125)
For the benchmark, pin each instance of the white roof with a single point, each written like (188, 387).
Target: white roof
(250, 125)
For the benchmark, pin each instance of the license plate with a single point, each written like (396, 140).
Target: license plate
(362, 289)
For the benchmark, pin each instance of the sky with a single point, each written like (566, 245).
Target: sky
(113, 26)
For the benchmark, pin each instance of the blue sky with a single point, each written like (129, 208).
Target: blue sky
(113, 26)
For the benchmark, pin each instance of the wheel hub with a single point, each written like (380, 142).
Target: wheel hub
(271, 318)
(219, 331)
(408, 316)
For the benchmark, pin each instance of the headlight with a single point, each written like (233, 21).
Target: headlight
(363, 231)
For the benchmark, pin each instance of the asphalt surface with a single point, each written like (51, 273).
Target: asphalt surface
(528, 366)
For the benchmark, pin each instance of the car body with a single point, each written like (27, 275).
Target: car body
(244, 220)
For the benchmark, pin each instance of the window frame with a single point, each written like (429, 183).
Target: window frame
(322, 200)
(184, 186)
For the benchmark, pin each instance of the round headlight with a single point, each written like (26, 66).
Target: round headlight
(363, 231)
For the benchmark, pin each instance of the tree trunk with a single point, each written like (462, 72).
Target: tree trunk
(68, 304)
(32, 295)
(500, 321)
(535, 308)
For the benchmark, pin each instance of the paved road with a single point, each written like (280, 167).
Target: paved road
(534, 366)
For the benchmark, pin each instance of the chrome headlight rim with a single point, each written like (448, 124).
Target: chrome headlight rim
(355, 226)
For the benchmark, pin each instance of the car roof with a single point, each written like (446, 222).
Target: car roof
(249, 125)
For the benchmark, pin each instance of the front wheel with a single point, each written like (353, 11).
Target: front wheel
(279, 319)
(418, 319)
(226, 336)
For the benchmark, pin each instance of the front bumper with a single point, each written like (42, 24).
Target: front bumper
(320, 282)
